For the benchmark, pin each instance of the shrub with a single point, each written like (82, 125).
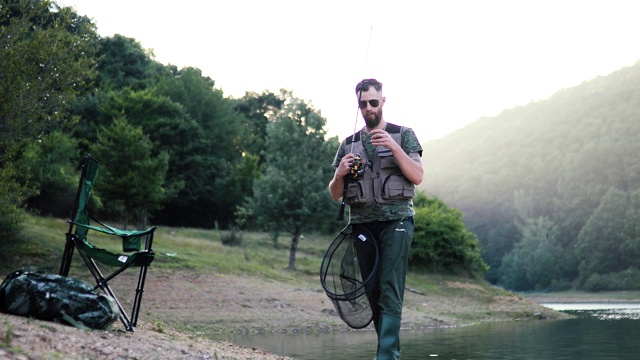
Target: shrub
(624, 280)
(232, 238)
(442, 243)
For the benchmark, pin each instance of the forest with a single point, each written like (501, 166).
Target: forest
(551, 189)
(174, 150)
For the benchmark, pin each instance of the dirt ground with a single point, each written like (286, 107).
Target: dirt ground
(211, 306)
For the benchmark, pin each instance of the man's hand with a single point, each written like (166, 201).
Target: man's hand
(345, 166)
(379, 137)
(411, 169)
(336, 185)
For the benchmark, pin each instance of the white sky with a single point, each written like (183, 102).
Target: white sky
(444, 64)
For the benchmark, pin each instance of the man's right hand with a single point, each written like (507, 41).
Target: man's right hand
(336, 186)
(346, 164)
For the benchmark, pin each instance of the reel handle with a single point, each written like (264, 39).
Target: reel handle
(344, 198)
(356, 171)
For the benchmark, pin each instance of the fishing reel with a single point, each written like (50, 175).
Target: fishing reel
(355, 172)
(357, 168)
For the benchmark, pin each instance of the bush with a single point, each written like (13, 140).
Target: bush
(12, 196)
(624, 280)
(52, 164)
(560, 285)
(232, 238)
(442, 243)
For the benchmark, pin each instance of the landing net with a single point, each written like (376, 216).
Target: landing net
(347, 274)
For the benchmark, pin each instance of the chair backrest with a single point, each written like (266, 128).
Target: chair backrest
(131, 244)
(88, 178)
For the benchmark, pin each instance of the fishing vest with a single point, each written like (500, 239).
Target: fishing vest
(382, 180)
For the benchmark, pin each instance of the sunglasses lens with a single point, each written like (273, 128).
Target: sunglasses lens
(374, 103)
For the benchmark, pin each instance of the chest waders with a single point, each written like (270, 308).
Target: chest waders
(387, 292)
(383, 182)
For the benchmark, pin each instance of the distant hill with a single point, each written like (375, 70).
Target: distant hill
(554, 158)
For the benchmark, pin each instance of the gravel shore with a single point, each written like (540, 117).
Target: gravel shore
(181, 312)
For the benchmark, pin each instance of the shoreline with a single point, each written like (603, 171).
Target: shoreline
(268, 307)
(613, 297)
(182, 312)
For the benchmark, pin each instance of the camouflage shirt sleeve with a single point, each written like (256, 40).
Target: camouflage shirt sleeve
(410, 143)
(339, 154)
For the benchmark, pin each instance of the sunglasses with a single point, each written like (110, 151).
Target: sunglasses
(374, 103)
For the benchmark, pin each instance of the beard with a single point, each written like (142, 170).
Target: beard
(373, 120)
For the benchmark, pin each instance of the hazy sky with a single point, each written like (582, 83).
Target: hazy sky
(443, 63)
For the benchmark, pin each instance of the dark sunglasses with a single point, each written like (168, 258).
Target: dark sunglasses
(374, 103)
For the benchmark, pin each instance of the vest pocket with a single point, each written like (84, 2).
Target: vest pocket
(397, 187)
(387, 160)
(356, 193)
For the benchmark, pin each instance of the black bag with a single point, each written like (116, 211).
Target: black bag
(56, 298)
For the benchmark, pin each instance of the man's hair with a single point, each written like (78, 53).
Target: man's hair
(366, 83)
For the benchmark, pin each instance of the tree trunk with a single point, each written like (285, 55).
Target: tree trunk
(294, 248)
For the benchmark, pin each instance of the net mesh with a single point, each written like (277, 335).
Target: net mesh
(347, 273)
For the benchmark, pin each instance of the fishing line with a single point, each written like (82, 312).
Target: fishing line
(364, 71)
(355, 166)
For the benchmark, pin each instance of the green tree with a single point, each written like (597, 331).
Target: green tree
(537, 260)
(164, 121)
(212, 162)
(502, 237)
(292, 195)
(441, 242)
(46, 58)
(630, 247)
(13, 193)
(600, 240)
(123, 63)
(51, 164)
(131, 179)
(182, 113)
(256, 109)
(123, 68)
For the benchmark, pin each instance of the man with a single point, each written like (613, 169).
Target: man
(380, 199)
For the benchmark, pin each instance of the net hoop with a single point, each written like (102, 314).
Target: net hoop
(347, 273)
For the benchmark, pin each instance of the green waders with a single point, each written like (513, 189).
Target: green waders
(387, 295)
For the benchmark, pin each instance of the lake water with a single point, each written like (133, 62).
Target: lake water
(600, 331)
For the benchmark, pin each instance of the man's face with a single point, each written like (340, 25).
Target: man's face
(371, 114)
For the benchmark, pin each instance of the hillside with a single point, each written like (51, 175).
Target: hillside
(555, 158)
(199, 290)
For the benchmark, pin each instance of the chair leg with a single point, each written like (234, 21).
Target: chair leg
(67, 255)
(102, 283)
(123, 314)
(138, 298)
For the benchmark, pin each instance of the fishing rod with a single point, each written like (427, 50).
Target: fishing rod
(356, 170)
(364, 71)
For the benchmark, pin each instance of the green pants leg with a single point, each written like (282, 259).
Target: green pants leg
(394, 243)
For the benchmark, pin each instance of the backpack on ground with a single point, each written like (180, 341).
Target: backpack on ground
(56, 298)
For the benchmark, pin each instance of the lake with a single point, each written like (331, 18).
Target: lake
(600, 331)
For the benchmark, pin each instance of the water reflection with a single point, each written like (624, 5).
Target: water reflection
(602, 331)
(563, 339)
(601, 311)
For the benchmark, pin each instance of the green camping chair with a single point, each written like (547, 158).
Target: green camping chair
(132, 254)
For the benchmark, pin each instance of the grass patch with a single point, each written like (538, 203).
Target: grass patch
(40, 244)
(8, 336)
(448, 298)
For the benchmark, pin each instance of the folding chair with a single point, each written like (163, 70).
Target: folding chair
(132, 254)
